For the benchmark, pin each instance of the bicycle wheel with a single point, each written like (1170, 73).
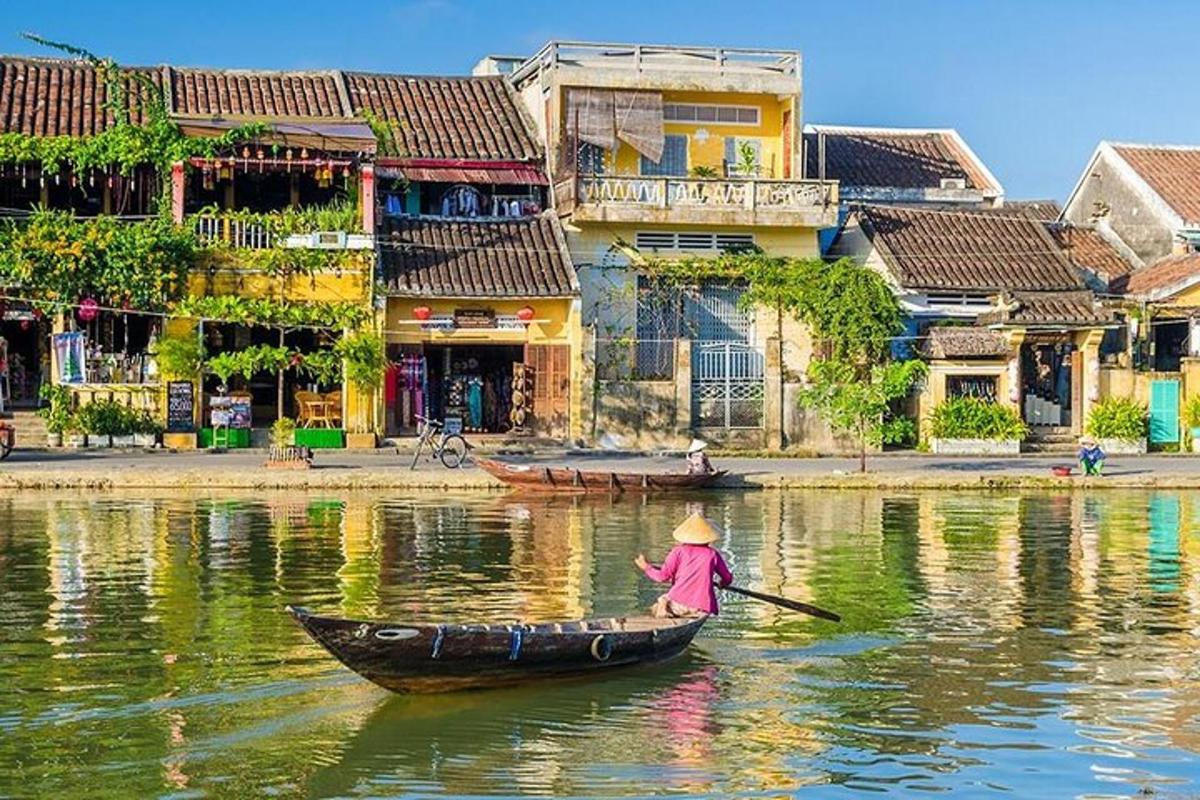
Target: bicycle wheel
(416, 454)
(454, 451)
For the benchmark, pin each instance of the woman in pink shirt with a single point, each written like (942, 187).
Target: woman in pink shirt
(689, 568)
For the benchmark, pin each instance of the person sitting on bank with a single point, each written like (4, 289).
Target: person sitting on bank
(697, 459)
(689, 568)
(1091, 457)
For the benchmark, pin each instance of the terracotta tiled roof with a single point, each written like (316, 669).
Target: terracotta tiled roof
(962, 342)
(1172, 172)
(474, 118)
(967, 250)
(893, 157)
(1045, 210)
(1086, 248)
(256, 93)
(1161, 277)
(55, 97)
(1047, 308)
(439, 257)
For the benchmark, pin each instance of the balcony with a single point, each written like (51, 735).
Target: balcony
(248, 233)
(707, 201)
(599, 64)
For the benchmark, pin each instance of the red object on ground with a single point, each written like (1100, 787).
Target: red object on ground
(1061, 471)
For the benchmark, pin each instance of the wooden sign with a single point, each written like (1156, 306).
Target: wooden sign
(181, 407)
(474, 318)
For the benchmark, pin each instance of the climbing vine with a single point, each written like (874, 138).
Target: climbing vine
(275, 313)
(56, 258)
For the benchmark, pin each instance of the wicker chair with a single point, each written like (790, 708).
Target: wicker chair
(333, 408)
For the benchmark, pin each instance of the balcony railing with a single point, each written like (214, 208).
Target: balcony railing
(217, 229)
(705, 193)
(645, 57)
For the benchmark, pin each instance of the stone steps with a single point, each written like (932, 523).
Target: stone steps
(30, 428)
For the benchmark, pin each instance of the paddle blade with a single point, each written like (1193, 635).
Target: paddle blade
(783, 602)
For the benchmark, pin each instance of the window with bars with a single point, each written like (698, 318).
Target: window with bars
(710, 114)
(692, 240)
(674, 161)
(591, 159)
(707, 312)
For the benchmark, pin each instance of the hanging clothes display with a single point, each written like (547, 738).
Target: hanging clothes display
(410, 390)
(475, 403)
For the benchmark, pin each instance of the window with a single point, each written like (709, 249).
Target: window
(710, 114)
(591, 159)
(674, 158)
(705, 312)
(736, 150)
(692, 240)
(982, 387)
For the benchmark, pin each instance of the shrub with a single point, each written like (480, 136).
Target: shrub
(107, 418)
(1191, 412)
(1117, 418)
(973, 418)
(57, 411)
(283, 432)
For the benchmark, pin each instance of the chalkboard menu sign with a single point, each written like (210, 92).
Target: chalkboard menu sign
(181, 407)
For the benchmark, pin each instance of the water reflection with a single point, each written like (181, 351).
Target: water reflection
(1042, 644)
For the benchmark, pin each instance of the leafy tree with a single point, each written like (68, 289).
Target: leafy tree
(860, 404)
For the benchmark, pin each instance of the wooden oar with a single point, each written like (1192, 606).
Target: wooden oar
(783, 602)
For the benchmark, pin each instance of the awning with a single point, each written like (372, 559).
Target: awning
(348, 136)
(436, 170)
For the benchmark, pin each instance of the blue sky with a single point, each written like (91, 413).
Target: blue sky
(1033, 86)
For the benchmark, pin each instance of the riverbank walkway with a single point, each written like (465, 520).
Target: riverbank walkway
(388, 470)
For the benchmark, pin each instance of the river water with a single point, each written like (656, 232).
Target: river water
(1039, 645)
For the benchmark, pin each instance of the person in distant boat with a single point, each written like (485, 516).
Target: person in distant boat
(1091, 457)
(697, 459)
(689, 568)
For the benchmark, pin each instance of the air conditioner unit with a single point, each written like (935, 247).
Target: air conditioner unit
(329, 240)
(954, 183)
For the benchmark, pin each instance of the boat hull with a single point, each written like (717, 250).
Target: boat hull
(569, 480)
(445, 658)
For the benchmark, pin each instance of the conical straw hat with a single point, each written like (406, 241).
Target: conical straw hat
(697, 445)
(696, 530)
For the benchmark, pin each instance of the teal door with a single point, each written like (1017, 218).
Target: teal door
(1164, 412)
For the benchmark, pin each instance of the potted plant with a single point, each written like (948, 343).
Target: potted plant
(74, 435)
(1119, 426)
(284, 454)
(1191, 418)
(123, 423)
(973, 426)
(56, 412)
(146, 430)
(95, 424)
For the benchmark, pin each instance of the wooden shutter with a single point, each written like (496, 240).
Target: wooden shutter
(551, 387)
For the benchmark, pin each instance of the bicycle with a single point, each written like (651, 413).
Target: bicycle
(451, 448)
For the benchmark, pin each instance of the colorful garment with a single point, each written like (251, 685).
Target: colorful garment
(690, 568)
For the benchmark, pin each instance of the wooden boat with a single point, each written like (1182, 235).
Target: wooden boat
(443, 658)
(569, 479)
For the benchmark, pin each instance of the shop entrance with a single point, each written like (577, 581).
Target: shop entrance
(1047, 380)
(469, 387)
(23, 357)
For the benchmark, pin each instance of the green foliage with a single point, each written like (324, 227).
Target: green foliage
(1191, 412)
(1117, 418)
(178, 357)
(54, 257)
(283, 432)
(704, 171)
(283, 314)
(365, 357)
(848, 306)
(859, 404)
(388, 134)
(108, 418)
(340, 215)
(323, 366)
(281, 261)
(224, 366)
(975, 418)
(249, 361)
(57, 411)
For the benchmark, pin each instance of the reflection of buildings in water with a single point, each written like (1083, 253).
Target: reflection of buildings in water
(686, 719)
(551, 547)
(358, 576)
(66, 557)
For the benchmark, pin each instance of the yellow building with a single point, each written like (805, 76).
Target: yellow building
(659, 151)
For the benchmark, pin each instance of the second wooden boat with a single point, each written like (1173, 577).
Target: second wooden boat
(569, 479)
(443, 658)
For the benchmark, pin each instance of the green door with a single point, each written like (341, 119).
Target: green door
(1164, 412)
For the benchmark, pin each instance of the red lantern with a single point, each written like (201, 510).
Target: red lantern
(525, 314)
(24, 324)
(422, 313)
(89, 309)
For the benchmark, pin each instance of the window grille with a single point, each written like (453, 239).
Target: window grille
(710, 114)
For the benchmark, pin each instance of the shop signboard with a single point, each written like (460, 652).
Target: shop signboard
(474, 318)
(181, 407)
(229, 412)
(453, 425)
